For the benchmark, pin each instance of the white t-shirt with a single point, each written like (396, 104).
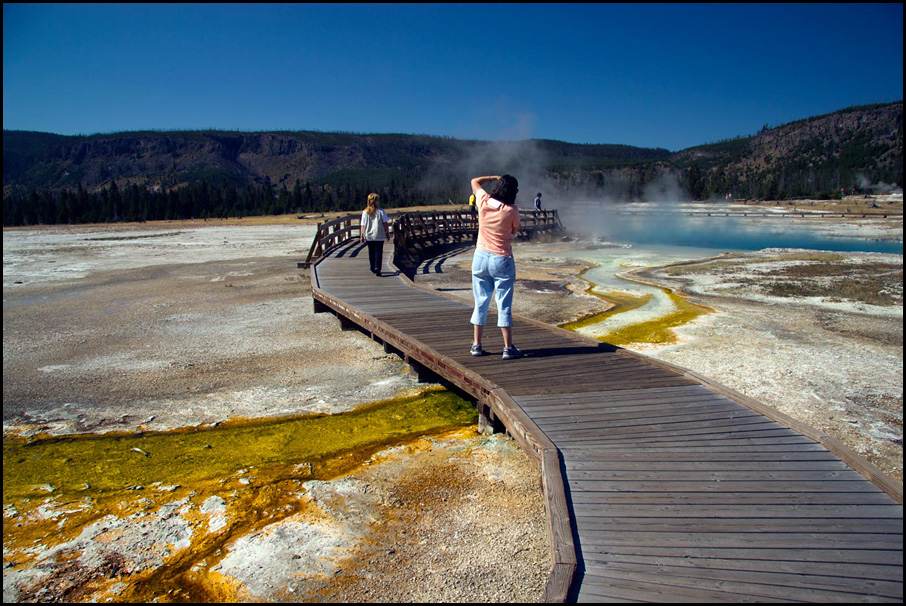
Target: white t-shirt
(373, 225)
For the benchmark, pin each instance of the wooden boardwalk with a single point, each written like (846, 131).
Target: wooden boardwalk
(659, 484)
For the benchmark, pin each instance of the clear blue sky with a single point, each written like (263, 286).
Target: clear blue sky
(649, 75)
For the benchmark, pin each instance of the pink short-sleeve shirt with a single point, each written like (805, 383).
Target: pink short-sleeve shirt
(497, 226)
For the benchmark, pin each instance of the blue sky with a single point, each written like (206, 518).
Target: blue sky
(649, 75)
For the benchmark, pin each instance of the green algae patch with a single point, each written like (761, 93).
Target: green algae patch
(91, 464)
(658, 331)
(621, 301)
(148, 504)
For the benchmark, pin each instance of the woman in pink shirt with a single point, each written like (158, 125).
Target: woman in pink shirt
(493, 266)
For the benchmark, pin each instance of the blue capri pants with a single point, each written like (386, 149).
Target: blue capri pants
(493, 273)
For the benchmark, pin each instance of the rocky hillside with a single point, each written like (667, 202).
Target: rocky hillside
(860, 148)
(228, 172)
(172, 159)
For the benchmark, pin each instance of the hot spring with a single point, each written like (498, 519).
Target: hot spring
(618, 241)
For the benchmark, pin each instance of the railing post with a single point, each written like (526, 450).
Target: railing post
(314, 250)
(488, 423)
(320, 308)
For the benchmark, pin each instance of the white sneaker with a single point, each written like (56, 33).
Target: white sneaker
(511, 353)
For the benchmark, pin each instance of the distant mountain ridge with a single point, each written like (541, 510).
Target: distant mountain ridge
(856, 147)
(44, 160)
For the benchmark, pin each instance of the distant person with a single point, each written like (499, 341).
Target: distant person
(493, 266)
(375, 227)
(473, 209)
(538, 202)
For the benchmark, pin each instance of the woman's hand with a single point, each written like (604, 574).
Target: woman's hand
(478, 181)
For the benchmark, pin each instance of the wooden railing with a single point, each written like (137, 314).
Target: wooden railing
(330, 234)
(414, 232)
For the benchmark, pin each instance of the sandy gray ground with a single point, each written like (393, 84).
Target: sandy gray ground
(115, 328)
(154, 327)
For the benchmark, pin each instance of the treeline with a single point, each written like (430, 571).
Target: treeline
(792, 180)
(112, 204)
(799, 175)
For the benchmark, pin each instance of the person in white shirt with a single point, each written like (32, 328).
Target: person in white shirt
(375, 226)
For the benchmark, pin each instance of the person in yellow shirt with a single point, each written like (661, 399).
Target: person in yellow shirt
(473, 209)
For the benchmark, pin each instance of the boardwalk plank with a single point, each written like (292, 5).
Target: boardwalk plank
(799, 563)
(739, 524)
(605, 396)
(597, 588)
(687, 469)
(715, 486)
(883, 559)
(739, 511)
(720, 414)
(782, 444)
(724, 475)
(775, 585)
(658, 404)
(777, 541)
(769, 589)
(701, 499)
(809, 452)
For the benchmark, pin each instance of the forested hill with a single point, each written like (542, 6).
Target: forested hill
(51, 178)
(859, 147)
